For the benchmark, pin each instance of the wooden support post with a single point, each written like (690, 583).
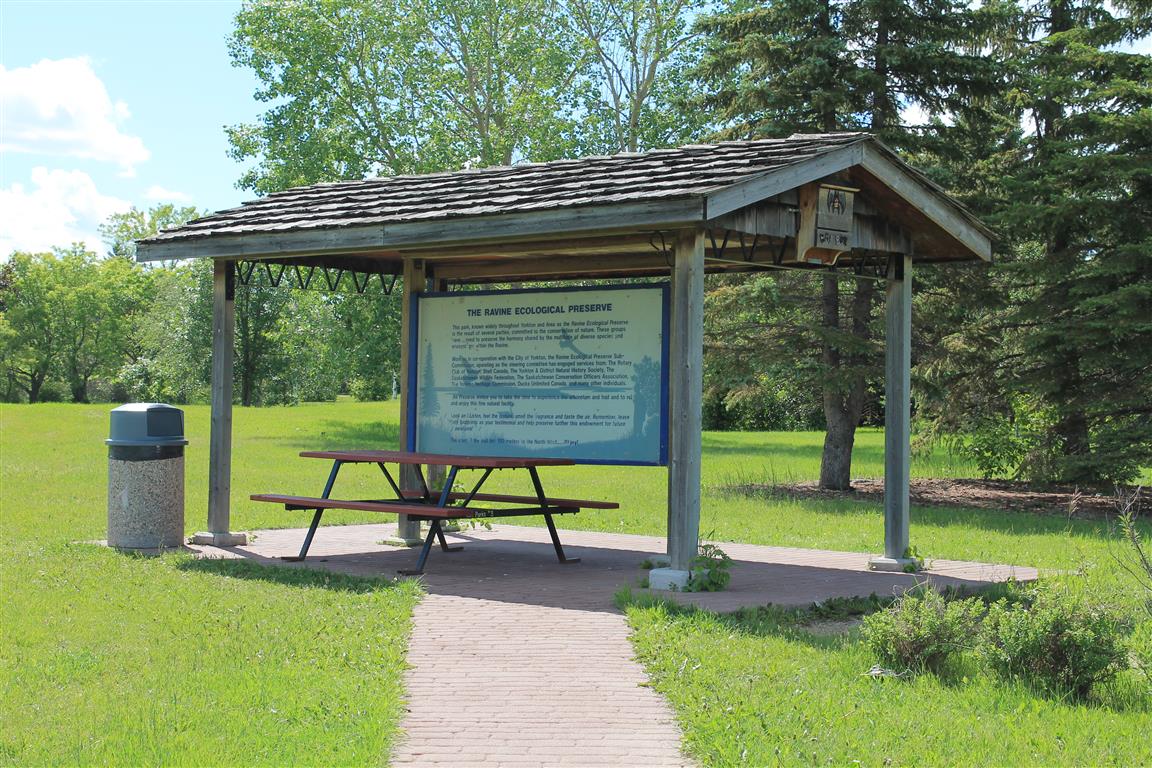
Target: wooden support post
(684, 410)
(437, 474)
(220, 442)
(408, 531)
(897, 414)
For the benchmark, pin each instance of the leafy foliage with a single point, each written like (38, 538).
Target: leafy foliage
(638, 53)
(1056, 340)
(122, 230)
(68, 316)
(363, 88)
(822, 66)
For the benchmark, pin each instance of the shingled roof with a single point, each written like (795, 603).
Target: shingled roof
(661, 187)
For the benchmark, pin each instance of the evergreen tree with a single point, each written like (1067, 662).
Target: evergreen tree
(834, 65)
(1049, 365)
(1080, 204)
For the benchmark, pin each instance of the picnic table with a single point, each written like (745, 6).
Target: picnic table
(424, 504)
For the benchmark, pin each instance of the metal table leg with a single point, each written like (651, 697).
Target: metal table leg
(316, 517)
(548, 518)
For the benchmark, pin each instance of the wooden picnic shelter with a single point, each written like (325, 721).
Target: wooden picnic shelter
(839, 202)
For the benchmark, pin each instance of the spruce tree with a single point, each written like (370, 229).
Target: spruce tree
(1080, 208)
(832, 65)
(1047, 366)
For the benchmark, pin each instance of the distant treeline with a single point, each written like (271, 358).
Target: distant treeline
(78, 327)
(1032, 113)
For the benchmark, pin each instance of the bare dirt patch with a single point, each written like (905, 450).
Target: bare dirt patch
(1008, 495)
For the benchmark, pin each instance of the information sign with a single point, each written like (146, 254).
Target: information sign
(564, 373)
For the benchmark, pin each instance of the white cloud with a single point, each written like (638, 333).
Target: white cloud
(60, 208)
(164, 195)
(61, 107)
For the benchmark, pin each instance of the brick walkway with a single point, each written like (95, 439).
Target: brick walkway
(519, 660)
(495, 683)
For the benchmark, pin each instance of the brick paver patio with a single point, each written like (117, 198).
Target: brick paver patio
(519, 660)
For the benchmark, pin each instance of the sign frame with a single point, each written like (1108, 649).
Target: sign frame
(414, 361)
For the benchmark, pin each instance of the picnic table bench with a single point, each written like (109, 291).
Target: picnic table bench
(433, 507)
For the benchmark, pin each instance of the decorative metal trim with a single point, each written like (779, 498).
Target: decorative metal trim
(244, 270)
(274, 281)
(332, 284)
(302, 281)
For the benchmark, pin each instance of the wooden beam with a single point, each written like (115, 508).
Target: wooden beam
(685, 399)
(501, 228)
(759, 188)
(877, 234)
(550, 268)
(613, 245)
(769, 218)
(220, 441)
(931, 202)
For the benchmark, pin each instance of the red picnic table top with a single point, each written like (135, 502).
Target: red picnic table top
(452, 460)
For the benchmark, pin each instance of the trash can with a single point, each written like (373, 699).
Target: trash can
(146, 477)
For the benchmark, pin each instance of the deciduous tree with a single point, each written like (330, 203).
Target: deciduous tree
(363, 88)
(639, 51)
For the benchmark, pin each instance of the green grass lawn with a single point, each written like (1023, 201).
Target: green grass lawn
(761, 689)
(122, 660)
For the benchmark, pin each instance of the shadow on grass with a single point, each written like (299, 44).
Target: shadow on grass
(291, 577)
(334, 435)
(1000, 521)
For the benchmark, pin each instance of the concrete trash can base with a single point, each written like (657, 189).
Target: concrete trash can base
(146, 477)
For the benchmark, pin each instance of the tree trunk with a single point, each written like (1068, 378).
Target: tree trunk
(1071, 428)
(245, 341)
(836, 462)
(880, 116)
(843, 390)
(35, 382)
(79, 391)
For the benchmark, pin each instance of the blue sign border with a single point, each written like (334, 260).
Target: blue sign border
(665, 328)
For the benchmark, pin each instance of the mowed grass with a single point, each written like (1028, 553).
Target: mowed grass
(121, 660)
(110, 659)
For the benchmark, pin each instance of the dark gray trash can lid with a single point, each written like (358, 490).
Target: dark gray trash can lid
(146, 424)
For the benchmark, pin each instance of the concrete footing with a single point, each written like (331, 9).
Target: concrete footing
(892, 564)
(401, 541)
(667, 579)
(208, 539)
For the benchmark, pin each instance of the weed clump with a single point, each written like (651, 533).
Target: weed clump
(710, 570)
(921, 629)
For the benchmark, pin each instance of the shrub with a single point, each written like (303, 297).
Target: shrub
(53, 392)
(1057, 643)
(921, 629)
(1140, 647)
(371, 389)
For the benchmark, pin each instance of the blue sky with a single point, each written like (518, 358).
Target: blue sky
(106, 105)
